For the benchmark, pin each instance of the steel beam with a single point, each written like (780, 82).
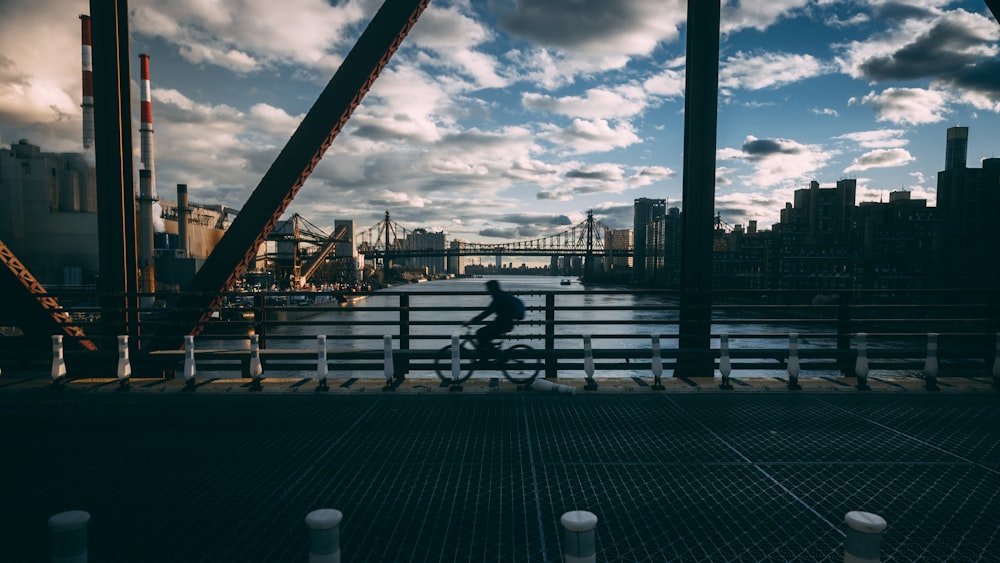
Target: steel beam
(701, 97)
(118, 283)
(994, 6)
(36, 312)
(297, 160)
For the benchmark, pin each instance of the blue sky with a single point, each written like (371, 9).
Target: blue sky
(508, 119)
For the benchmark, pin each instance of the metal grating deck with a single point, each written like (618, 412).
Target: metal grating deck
(463, 477)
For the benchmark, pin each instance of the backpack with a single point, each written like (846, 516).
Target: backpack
(516, 307)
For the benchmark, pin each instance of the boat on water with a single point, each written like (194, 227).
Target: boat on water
(565, 282)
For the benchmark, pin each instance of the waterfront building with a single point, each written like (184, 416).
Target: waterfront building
(645, 211)
(432, 243)
(748, 260)
(345, 251)
(48, 217)
(48, 213)
(815, 238)
(897, 241)
(662, 251)
(616, 245)
(968, 200)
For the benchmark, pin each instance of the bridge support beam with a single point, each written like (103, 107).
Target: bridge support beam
(697, 223)
(116, 233)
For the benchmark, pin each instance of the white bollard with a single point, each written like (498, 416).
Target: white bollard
(793, 361)
(124, 367)
(389, 366)
(864, 537)
(322, 368)
(931, 365)
(579, 536)
(657, 363)
(725, 365)
(189, 366)
(58, 360)
(861, 364)
(68, 531)
(324, 535)
(456, 358)
(256, 368)
(547, 386)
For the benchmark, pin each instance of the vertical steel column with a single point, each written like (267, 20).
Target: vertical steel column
(119, 280)
(697, 224)
(403, 365)
(551, 362)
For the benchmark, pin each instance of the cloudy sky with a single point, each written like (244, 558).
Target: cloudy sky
(508, 119)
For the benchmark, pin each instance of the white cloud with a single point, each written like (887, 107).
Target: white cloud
(453, 37)
(777, 162)
(758, 14)
(583, 136)
(596, 103)
(880, 158)
(245, 34)
(769, 70)
(635, 27)
(825, 111)
(669, 83)
(877, 139)
(910, 106)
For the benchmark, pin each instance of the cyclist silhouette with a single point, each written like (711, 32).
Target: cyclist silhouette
(502, 306)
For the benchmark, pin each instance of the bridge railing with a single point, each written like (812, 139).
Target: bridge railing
(620, 324)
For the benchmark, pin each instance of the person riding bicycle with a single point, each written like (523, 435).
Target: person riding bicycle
(505, 310)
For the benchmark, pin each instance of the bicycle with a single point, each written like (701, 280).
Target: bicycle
(518, 363)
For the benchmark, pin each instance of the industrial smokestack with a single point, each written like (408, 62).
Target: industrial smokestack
(182, 220)
(146, 122)
(88, 84)
(147, 177)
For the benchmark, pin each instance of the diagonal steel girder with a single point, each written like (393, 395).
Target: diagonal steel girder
(994, 6)
(297, 160)
(38, 313)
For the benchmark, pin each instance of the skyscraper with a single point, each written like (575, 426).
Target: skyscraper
(645, 211)
(957, 148)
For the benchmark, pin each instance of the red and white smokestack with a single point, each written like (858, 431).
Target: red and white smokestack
(147, 178)
(146, 109)
(88, 83)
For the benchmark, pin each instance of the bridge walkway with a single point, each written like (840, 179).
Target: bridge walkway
(692, 473)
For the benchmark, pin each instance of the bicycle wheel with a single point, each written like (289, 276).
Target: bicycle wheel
(442, 362)
(521, 365)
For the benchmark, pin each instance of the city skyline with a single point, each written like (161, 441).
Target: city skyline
(505, 121)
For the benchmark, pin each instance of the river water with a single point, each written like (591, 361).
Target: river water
(613, 320)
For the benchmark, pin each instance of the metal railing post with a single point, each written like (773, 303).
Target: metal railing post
(260, 318)
(844, 351)
(551, 362)
(931, 364)
(403, 365)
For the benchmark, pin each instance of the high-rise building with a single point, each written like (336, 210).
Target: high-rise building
(645, 211)
(433, 244)
(957, 148)
(346, 251)
(968, 201)
(662, 250)
(616, 245)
